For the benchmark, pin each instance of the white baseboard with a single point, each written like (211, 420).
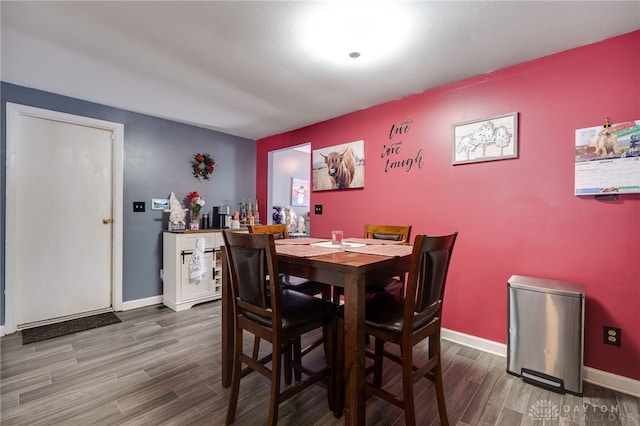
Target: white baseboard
(612, 381)
(141, 303)
(590, 375)
(479, 343)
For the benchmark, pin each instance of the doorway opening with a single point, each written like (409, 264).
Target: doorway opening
(288, 167)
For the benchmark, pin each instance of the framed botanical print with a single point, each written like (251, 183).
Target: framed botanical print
(488, 139)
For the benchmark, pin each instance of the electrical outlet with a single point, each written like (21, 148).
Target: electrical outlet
(138, 206)
(612, 335)
(318, 208)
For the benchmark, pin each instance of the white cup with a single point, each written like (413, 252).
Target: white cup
(336, 238)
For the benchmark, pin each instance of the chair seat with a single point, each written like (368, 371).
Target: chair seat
(385, 311)
(302, 285)
(390, 285)
(297, 310)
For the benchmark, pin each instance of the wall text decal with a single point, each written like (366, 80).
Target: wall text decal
(392, 151)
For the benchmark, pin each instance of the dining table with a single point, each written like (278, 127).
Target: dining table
(352, 265)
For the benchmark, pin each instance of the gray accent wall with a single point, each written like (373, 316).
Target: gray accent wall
(157, 156)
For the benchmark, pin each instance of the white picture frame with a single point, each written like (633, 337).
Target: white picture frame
(487, 139)
(159, 203)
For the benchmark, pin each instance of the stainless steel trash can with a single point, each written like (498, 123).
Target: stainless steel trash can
(546, 333)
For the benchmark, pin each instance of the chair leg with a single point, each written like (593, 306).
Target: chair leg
(378, 359)
(337, 293)
(404, 284)
(407, 386)
(287, 352)
(274, 400)
(434, 351)
(297, 358)
(326, 292)
(329, 337)
(256, 347)
(338, 367)
(235, 379)
(329, 349)
(442, 408)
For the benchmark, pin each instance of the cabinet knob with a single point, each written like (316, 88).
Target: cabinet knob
(106, 220)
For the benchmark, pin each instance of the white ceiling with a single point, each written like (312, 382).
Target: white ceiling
(243, 68)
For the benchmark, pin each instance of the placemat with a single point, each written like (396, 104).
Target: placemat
(299, 241)
(304, 250)
(383, 250)
(373, 241)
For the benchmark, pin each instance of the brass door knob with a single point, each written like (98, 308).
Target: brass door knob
(106, 220)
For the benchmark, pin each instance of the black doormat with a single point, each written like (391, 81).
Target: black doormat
(44, 332)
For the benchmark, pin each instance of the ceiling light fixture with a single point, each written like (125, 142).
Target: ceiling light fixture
(336, 32)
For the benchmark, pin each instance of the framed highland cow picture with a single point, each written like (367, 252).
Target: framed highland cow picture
(338, 167)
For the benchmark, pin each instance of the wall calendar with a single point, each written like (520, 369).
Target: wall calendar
(608, 159)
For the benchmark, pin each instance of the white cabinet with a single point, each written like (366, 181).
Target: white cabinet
(180, 292)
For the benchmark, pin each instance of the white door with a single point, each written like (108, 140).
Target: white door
(60, 215)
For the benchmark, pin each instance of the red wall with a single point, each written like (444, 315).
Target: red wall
(514, 216)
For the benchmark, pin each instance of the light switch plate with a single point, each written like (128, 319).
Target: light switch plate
(318, 208)
(138, 206)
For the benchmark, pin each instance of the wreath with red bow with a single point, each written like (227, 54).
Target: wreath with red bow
(203, 165)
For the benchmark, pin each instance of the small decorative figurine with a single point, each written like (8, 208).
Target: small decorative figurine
(176, 214)
(277, 215)
(235, 222)
(302, 226)
(290, 219)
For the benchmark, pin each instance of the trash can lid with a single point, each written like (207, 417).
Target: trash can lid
(546, 285)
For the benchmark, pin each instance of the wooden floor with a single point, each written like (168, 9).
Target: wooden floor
(162, 367)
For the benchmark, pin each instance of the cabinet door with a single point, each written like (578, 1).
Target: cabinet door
(192, 289)
(217, 275)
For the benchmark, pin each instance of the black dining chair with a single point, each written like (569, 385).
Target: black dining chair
(279, 316)
(290, 282)
(407, 321)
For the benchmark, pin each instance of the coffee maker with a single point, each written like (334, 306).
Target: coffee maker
(221, 217)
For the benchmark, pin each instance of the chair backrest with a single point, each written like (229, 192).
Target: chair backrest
(252, 260)
(388, 232)
(279, 231)
(427, 277)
